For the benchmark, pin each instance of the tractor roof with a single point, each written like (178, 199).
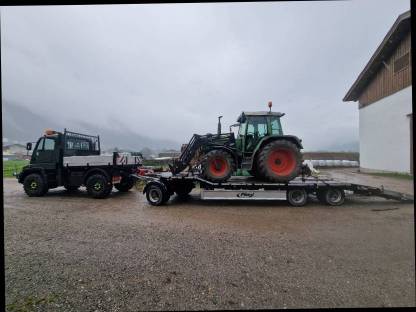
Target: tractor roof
(263, 113)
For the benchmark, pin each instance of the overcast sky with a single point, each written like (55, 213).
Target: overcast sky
(169, 70)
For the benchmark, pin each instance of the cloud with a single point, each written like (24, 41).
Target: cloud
(169, 70)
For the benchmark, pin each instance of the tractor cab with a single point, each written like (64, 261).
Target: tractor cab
(254, 126)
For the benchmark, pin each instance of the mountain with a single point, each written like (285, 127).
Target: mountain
(21, 125)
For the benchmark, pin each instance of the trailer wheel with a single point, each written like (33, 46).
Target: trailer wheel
(297, 197)
(156, 196)
(98, 186)
(125, 185)
(334, 196)
(34, 185)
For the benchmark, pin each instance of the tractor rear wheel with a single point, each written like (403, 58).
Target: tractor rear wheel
(217, 166)
(279, 161)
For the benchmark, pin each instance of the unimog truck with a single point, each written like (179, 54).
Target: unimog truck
(260, 147)
(72, 160)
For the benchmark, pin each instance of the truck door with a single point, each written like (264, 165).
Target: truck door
(44, 153)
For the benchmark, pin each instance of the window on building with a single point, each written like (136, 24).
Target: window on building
(401, 63)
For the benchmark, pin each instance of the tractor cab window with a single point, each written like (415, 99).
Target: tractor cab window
(242, 129)
(276, 126)
(256, 129)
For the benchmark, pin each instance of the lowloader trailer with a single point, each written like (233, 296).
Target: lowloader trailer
(160, 187)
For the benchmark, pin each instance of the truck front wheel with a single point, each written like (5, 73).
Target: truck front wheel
(34, 185)
(98, 186)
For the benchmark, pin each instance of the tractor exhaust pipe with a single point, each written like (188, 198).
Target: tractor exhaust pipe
(219, 125)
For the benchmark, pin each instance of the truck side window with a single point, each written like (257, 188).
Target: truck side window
(40, 145)
(49, 144)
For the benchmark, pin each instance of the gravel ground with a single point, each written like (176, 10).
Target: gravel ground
(72, 253)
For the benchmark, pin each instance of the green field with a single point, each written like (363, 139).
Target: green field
(10, 166)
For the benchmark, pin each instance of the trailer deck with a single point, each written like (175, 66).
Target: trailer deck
(159, 188)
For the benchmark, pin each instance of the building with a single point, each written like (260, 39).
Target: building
(384, 93)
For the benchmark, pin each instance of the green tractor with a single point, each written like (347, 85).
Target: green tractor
(260, 147)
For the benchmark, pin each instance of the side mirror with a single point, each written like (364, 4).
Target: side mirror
(29, 146)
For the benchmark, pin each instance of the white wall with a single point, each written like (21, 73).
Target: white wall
(385, 133)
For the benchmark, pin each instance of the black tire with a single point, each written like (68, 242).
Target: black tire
(217, 166)
(334, 196)
(156, 196)
(34, 185)
(71, 188)
(297, 197)
(279, 161)
(125, 185)
(98, 186)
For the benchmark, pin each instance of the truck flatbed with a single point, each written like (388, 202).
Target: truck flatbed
(159, 188)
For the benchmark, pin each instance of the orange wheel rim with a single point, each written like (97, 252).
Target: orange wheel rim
(282, 162)
(218, 166)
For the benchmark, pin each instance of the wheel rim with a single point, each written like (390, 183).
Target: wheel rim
(334, 195)
(297, 196)
(33, 185)
(97, 186)
(218, 166)
(282, 162)
(154, 195)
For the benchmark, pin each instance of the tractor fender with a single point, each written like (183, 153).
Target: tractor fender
(291, 138)
(225, 148)
(30, 170)
(158, 183)
(95, 171)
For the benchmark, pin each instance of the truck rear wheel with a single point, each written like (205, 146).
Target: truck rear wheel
(279, 161)
(217, 166)
(98, 186)
(125, 185)
(34, 185)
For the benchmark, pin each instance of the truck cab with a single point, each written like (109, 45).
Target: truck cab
(72, 160)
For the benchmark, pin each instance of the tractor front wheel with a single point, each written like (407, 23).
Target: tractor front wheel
(217, 166)
(279, 161)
